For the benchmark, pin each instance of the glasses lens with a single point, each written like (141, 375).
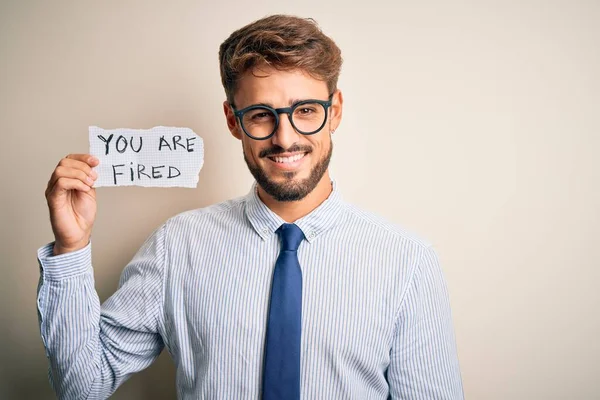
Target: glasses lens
(309, 117)
(259, 122)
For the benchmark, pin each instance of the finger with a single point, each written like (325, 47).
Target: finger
(76, 164)
(85, 158)
(64, 184)
(72, 161)
(69, 173)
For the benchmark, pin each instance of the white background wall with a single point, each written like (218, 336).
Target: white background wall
(474, 123)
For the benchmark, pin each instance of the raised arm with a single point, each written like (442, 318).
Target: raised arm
(93, 349)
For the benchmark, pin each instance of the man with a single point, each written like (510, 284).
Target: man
(287, 292)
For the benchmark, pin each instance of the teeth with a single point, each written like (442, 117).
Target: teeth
(288, 159)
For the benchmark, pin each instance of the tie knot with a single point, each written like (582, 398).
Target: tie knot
(291, 236)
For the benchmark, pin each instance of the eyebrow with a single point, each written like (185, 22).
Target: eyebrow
(290, 104)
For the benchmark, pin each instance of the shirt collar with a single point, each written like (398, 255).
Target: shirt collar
(265, 222)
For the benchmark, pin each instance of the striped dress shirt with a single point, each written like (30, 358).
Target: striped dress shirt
(376, 320)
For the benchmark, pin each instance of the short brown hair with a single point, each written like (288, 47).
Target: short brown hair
(284, 42)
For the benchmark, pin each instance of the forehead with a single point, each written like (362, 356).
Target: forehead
(278, 88)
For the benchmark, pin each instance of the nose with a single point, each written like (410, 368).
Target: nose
(285, 135)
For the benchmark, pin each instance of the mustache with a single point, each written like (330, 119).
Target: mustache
(273, 151)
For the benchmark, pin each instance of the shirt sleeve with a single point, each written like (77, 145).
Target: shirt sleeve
(93, 349)
(423, 360)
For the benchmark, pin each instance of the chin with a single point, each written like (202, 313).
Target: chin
(292, 185)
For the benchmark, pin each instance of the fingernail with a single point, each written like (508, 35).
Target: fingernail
(89, 180)
(94, 175)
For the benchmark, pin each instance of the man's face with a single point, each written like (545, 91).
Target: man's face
(288, 165)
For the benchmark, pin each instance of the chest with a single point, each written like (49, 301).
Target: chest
(218, 304)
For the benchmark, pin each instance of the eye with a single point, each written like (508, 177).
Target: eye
(261, 115)
(305, 110)
(258, 116)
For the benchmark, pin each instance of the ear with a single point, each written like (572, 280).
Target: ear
(231, 121)
(335, 111)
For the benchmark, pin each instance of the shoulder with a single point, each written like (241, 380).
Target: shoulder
(374, 224)
(391, 249)
(229, 210)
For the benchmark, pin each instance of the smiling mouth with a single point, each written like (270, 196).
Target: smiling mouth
(288, 159)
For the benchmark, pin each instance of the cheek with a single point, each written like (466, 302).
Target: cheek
(322, 145)
(251, 150)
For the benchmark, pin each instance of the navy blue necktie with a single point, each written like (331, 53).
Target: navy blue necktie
(281, 377)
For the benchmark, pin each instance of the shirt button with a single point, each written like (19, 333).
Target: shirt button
(311, 235)
(265, 231)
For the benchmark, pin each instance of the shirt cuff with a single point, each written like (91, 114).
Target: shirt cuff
(65, 265)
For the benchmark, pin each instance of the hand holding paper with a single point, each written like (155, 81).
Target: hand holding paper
(72, 202)
(157, 157)
(160, 157)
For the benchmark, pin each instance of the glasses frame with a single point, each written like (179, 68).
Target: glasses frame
(284, 110)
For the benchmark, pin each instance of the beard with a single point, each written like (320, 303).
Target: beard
(290, 189)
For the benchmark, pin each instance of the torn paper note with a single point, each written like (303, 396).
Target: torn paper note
(158, 157)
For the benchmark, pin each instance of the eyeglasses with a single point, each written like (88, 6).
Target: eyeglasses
(260, 121)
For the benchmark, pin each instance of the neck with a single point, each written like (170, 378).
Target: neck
(291, 211)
